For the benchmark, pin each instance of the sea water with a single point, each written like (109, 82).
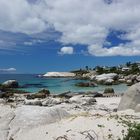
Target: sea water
(55, 85)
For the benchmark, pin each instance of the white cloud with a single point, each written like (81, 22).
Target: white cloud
(9, 70)
(19, 16)
(80, 21)
(66, 50)
(28, 43)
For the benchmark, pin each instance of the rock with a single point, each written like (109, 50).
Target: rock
(137, 108)
(131, 98)
(10, 84)
(29, 117)
(41, 94)
(88, 84)
(129, 82)
(98, 95)
(33, 102)
(84, 100)
(45, 91)
(52, 101)
(2, 101)
(91, 75)
(104, 77)
(109, 82)
(59, 74)
(66, 95)
(109, 90)
(4, 124)
(121, 80)
(6, 95)
(138, 78)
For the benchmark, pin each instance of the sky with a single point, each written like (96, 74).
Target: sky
(37, 36)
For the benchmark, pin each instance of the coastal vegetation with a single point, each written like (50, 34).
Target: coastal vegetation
(126, 69)
(133, 132)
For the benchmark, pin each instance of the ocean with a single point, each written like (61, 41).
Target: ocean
(33, 83)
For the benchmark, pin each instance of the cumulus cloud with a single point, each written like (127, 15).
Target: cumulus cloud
(19, 16)
(66, 50)
(87, 22)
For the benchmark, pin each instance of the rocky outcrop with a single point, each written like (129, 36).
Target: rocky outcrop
(11, 84)
(106, 76)
(6, 95)
(83, 100)
(45, 91)
(108, 82)
(29, 117)
(106, 79)
(52, 101)
(59, 74)
(33, 102)
(91, 75)
(131, 98)
(41, 94)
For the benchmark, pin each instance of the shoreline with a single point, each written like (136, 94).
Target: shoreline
(73, 116)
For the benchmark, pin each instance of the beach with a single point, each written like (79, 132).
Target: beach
(80, 115)
(65, 121)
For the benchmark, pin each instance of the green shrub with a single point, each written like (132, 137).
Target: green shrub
(133, 133)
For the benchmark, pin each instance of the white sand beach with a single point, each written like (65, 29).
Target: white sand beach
(65, 121)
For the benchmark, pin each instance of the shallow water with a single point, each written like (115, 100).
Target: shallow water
(55, 85)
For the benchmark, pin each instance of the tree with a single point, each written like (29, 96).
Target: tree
(87, 68)
(128, 64)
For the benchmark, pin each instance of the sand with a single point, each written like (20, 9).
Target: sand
(95, 122)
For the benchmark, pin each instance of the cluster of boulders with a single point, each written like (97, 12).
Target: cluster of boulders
(112, 78)
(130, 79)
(50, 100)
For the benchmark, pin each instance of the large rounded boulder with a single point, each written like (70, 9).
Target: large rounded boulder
(11, 84)
(131, 98)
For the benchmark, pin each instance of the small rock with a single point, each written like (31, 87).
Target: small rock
(84, 100)
(109, 90)
(45, 91)
(33, 102)
(52, 101)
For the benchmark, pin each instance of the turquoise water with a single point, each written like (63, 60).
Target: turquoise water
(55, 85)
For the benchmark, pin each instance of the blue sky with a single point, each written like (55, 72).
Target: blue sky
(37, 36)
